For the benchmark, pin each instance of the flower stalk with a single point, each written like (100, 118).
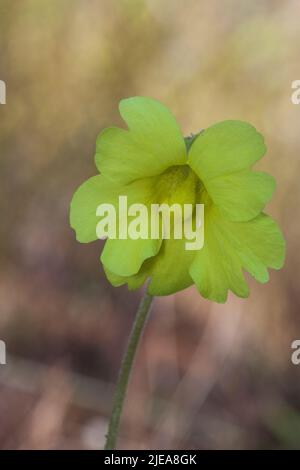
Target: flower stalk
(125, 370)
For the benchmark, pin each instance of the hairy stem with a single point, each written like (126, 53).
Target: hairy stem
(125, 370)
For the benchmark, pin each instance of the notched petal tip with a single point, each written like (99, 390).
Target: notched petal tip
(152, 143)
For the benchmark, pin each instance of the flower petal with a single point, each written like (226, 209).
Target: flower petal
(168, 270)
(89, 195)
(134, 282)
(241, 196)
(225, 148)
(152, 144)
(222, 156)
(125, 257)
(230, 247)
(99, 190)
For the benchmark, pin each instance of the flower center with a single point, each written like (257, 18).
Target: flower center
(178, 184)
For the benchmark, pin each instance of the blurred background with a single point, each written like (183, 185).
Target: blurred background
(207, 376)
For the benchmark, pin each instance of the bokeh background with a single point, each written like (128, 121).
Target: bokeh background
(207, 376)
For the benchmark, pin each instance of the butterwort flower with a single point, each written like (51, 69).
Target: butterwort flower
(151, 162)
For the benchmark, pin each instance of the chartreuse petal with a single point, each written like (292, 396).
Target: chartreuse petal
(222, 156)
(242, 195)
(224, 148)
(123, 257)
(96, 190)
(230, 247)
(168, 271)
(134, 282)
(152, 144)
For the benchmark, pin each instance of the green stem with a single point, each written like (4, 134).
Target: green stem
(125, 370)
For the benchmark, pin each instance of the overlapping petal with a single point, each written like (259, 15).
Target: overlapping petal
(152, 144)
(241, 195)
(83, 219)
(222, 156)
(224, 148)
(231, 247)
(168, 272)
(124, 257)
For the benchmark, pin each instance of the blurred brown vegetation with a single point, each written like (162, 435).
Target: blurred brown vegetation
(207, 375)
